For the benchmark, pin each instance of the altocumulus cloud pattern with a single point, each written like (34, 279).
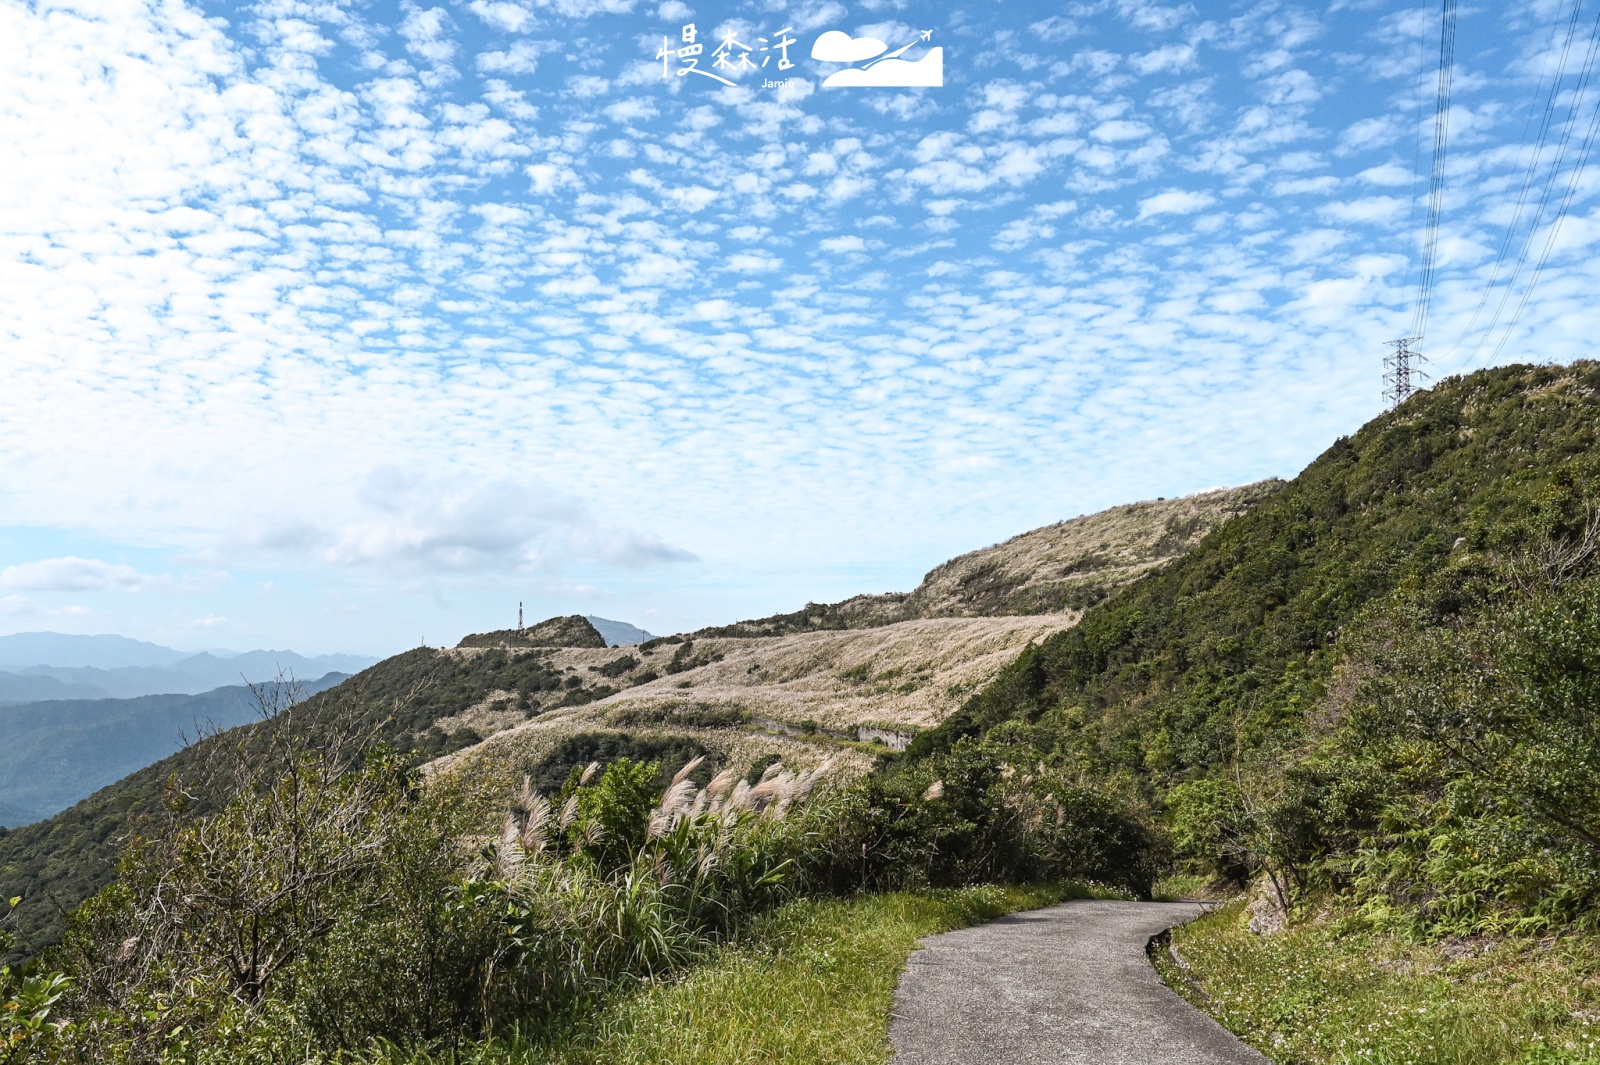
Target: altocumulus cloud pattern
(400, 290)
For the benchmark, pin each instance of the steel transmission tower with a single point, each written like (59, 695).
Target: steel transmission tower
(1401, 369)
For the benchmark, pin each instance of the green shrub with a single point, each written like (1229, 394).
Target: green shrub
(28, 998)
(973, 816)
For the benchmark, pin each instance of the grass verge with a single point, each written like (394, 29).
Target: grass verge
(809, 983)
(1326, 993)
(813, 985)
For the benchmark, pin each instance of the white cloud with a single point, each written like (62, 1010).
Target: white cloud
(521, 58)
(415, 523)
(1389, 175)
(842, 245)
(426, 32)
(1121, 130)
(503, 15)
(546, 178)
(634, 110)
(1368, 133)
(73, 574)
(1368, 209)
(1302, 186)
(1174, 201)
(1166, 60)
(1054, 29)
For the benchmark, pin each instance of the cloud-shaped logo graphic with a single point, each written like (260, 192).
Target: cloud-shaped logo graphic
(893, 73)
(836, 46)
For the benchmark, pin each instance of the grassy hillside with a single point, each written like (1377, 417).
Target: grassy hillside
(834, 680)
(1228, 647)
(551, 695)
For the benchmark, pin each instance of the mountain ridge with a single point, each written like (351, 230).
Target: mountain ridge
(1057, 568)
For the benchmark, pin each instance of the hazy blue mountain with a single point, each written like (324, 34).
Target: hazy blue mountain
(103, 652)
(17, 688)
(11, 816)
(48, 665)
(58, 752)
(617, 633)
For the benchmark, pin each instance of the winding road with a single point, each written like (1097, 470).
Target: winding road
(1065, 985)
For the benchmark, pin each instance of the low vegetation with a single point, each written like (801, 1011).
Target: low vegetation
(1330, 992)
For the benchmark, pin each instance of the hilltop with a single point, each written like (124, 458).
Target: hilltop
(1057, 569)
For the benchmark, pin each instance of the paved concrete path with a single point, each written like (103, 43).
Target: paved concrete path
(1067, 985)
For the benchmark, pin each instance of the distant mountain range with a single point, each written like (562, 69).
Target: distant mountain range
(618, 633)
(58, 752)
(38, 666)
(103, 652)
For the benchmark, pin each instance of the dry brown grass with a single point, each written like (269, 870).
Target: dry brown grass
(906, 676)
(821, 678)
(1075, 561)
(913, 674)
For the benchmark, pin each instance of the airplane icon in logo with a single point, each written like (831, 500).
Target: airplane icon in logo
(885, 70)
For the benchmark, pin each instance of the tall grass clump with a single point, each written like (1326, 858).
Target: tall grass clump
(616, 881)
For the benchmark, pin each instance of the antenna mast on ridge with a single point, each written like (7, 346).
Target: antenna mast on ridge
(1399, 370)
(519, 616)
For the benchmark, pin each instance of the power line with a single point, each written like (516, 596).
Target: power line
(1566, 204)
(1514, 224)
(1402, 365)
(1568, 127)
(1441, 141)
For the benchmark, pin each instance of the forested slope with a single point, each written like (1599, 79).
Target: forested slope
(57, 752)
(1370, 652)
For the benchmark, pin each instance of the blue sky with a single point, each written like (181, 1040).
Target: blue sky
(346, 325)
